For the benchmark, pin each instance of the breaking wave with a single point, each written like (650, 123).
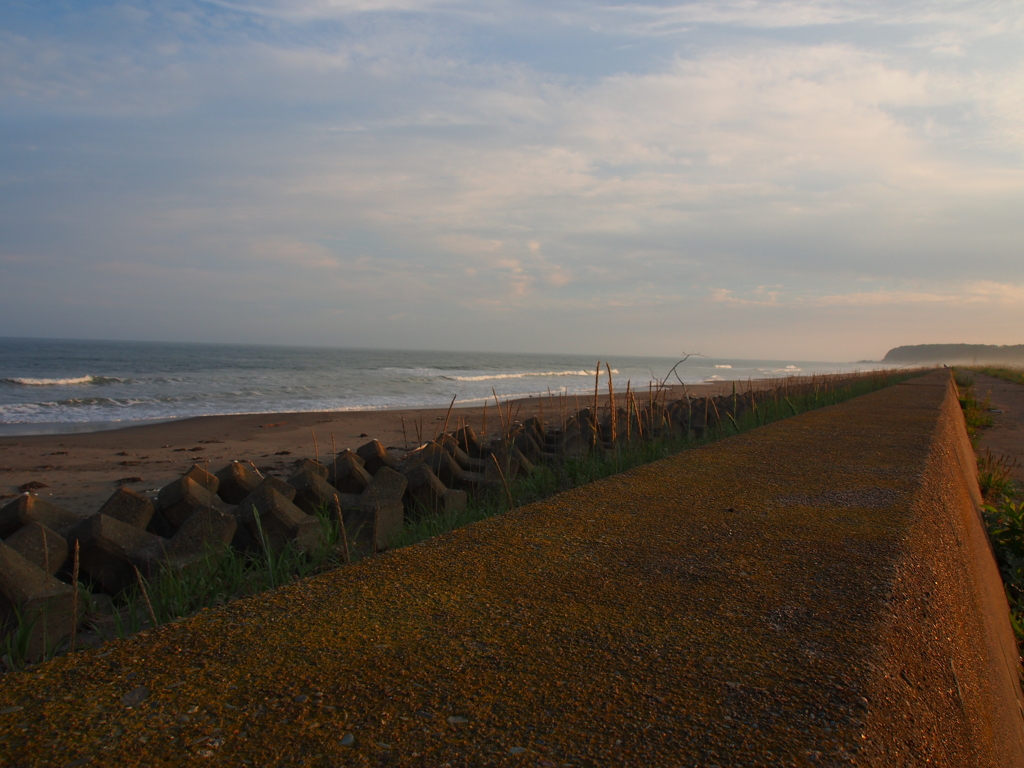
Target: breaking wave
(30, 382)
(490, 376)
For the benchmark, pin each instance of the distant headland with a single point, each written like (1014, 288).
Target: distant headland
(971, 354)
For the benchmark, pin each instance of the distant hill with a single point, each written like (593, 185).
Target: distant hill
(968, 354)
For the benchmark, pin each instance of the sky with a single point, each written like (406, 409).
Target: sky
(807, 180)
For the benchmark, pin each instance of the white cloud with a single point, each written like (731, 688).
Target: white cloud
(977, 292)
(323, 9)
(296, 253)
(468, 245)
(400, 161)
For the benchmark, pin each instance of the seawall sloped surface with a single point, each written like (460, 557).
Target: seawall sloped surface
(815, 592)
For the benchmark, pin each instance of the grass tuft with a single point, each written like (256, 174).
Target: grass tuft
(1016, 375)
(1003, 511)
(16, 644)
(994, 476)
(975, 414)
(1005, 521)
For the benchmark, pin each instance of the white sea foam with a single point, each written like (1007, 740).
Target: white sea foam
(723, 366)
(494, 376)
(419, 371)
(27, 382)
(140, 381)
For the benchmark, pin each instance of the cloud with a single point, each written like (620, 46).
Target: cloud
(978, 292)
(468, 244)
(525, 157)
(303, 255)
(326, 9)
(761, 296)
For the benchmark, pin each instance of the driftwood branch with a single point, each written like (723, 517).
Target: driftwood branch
(672, 370)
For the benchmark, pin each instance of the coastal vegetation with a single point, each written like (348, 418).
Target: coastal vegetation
(1004, 517)
(976, 414)
(644, 435)
(963, 354)
(1003, 507)
(1016, 375)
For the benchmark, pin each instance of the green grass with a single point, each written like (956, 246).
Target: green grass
(219, 576)
(16, 644)
(15, 647)
(994, 476)
(1015, 375)
(1005, 521)
(1003, 511)
(975, 414)
(225, 574)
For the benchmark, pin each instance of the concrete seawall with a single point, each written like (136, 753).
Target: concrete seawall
(815, 592)
(946, 682)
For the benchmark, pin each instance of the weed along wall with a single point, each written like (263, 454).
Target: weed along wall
(816, 591)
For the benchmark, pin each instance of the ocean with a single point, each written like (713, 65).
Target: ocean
(51, 386)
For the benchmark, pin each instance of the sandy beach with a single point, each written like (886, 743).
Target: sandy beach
(79, 471)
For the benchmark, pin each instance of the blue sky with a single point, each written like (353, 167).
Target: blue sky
(819, 180)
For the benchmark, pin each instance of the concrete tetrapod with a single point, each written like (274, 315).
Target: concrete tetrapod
(112, 550)
(129, 507)
(41, 546)
(236, 481)
(46, 604)
(818, 591)
(31, 509)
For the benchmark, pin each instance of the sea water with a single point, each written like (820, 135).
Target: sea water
(50, 386)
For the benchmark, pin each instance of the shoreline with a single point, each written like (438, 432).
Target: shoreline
(80, 470)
